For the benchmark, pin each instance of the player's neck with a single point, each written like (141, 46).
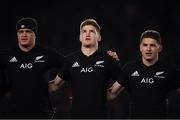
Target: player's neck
(26, 48)
(149, 62)
(88, 51)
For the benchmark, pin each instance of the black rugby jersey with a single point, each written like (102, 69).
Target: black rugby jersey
(25, 73)
(89, 77)
(148, 87)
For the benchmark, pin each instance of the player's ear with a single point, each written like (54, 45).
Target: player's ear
(80, 37)
(140, 48)
(99, 38)
(160, 48)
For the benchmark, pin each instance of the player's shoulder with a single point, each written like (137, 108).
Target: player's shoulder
(43, 48)
(167, 65)
(48, 50)
(8, 50)
(5, 51)
(132, 64)
(74, 54)
(104, 55)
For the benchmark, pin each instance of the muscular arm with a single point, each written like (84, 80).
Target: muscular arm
(55, 84)
(114, 90)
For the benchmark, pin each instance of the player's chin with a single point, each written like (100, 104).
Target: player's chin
(87, 45)
(149, 58)
(25, 44)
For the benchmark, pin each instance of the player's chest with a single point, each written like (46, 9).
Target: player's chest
(148, 77)
(26, 62)
(88, 66)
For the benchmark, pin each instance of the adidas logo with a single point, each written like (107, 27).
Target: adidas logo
(135, 73)
(76, 64)
(13, 59)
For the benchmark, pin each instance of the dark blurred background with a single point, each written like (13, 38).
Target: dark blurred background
(122, 23)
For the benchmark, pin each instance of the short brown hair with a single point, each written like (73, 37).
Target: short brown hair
(90, 22)
(151, 34)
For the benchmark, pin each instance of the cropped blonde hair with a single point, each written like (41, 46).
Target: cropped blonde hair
(90, 22)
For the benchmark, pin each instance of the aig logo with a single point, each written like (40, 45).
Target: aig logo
(26, 65)
(87, 69)
(147, 80)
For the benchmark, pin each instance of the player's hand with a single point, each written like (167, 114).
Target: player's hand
(113, 54)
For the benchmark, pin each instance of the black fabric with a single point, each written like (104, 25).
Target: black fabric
(148, 87)
(89, 76)
(25, 73)
(174, 105)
